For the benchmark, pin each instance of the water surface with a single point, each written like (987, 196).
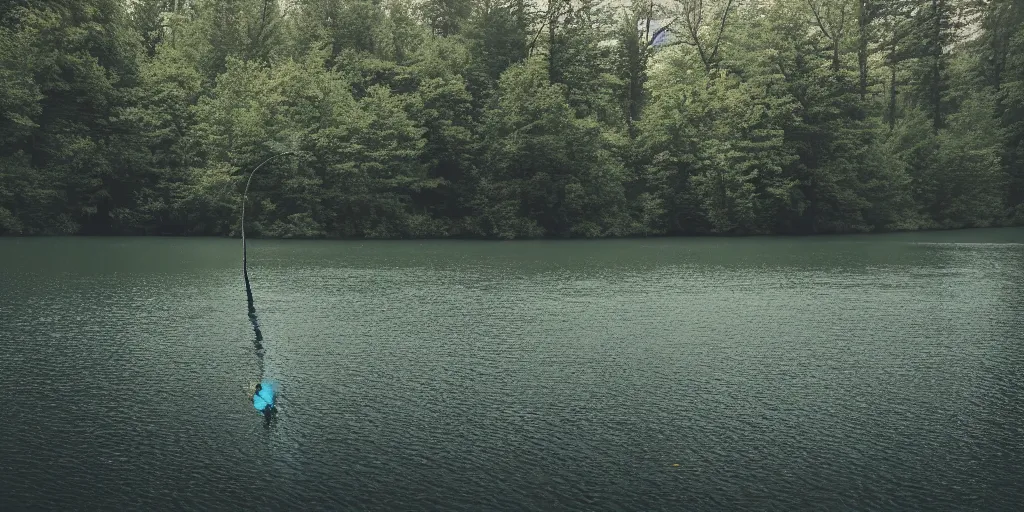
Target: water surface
(861, 372)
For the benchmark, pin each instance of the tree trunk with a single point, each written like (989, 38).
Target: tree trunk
(553, 7)
(938, 8)
(892, 98)
(863, 21)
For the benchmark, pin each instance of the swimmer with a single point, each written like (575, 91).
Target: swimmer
(263, 402)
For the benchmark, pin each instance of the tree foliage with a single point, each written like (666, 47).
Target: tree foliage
(510, 119)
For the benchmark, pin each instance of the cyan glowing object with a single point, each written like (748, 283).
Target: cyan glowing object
(265, 396)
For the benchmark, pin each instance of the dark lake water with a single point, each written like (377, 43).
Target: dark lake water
(863, 372)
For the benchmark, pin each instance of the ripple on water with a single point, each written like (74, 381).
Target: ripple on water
(497, 383)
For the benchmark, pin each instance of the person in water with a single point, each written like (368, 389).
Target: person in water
(261, 403)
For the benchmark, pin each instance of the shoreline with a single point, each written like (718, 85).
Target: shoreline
(835, 234)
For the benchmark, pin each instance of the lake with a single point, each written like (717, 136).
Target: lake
(775, 373)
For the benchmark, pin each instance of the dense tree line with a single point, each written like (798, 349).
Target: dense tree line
(507, 118)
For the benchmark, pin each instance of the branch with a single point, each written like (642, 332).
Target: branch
(547, 18)
(693, 23)
(650, 14)
(721, 29)
(842, 21)
(817, 18)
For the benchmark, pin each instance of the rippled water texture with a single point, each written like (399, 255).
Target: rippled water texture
(867, 372)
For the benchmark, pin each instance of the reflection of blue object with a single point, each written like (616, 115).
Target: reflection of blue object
(265, 397)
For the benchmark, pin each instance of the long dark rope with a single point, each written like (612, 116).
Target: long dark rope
(245, 265)
(269, 410)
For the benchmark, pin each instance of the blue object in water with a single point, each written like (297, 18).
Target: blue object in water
(265, 397)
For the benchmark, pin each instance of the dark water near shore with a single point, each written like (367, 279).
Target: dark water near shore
(863, 372)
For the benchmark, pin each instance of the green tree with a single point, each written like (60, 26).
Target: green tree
(66, 166)
(446, 17)
(546, 172)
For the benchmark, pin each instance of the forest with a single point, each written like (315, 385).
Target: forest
(510, 119)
